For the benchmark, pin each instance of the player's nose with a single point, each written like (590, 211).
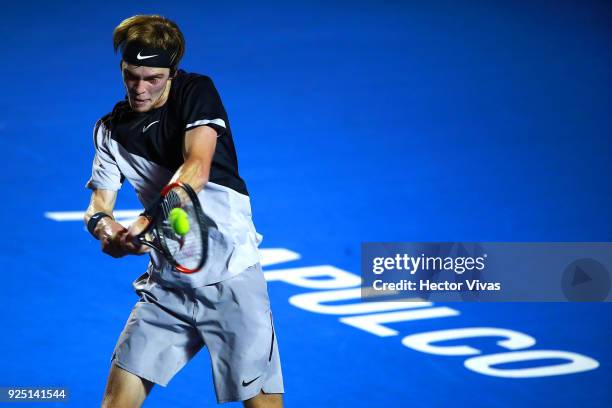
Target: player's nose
(139, 87)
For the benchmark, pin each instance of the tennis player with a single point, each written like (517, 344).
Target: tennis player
(172, 127)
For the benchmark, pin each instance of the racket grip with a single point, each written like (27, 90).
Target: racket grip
(142, 240)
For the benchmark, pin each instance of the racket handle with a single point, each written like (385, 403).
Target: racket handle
(141, 240)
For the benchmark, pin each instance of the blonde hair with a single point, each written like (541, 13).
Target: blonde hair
(151, 31)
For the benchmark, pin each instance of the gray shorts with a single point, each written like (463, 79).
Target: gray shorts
(232, 318)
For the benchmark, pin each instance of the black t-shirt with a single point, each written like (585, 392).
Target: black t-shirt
(158, 135)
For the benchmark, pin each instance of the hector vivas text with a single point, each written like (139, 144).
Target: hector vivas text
(428, 266)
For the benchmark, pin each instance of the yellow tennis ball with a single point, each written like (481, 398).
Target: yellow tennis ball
(179, 221)
(176, 213)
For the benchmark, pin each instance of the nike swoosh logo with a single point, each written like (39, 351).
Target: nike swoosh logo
(144, 129)
(141, 57)
(246, 384)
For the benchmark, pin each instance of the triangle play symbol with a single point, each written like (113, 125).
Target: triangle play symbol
(580, 276)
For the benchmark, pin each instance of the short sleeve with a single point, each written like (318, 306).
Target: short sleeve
(105, 173)
(201, 105)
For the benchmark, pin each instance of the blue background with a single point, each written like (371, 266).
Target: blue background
(354, 121)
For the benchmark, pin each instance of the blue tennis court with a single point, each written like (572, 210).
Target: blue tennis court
(353, 121)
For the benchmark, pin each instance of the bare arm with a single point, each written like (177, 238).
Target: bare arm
(199, 148)
(102, 201)
(108, 231)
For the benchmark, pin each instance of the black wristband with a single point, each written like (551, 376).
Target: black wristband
(94, 220)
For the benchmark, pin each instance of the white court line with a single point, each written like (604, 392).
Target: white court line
(78, 215)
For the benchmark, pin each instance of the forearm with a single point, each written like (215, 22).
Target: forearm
(194, 172)
(103, 201)
(95, 208)
(198, 152)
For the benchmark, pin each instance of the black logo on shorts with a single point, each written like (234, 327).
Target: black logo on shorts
(246, 384)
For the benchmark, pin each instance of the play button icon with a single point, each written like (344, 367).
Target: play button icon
(586, 280)
(580, 276)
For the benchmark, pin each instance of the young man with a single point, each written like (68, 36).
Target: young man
(173, 127)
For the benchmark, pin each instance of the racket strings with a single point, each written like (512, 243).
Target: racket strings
(187, 250)
(172, 200)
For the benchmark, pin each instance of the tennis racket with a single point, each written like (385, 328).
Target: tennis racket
(179, 228)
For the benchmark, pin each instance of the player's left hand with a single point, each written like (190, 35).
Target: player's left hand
(130, 240)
